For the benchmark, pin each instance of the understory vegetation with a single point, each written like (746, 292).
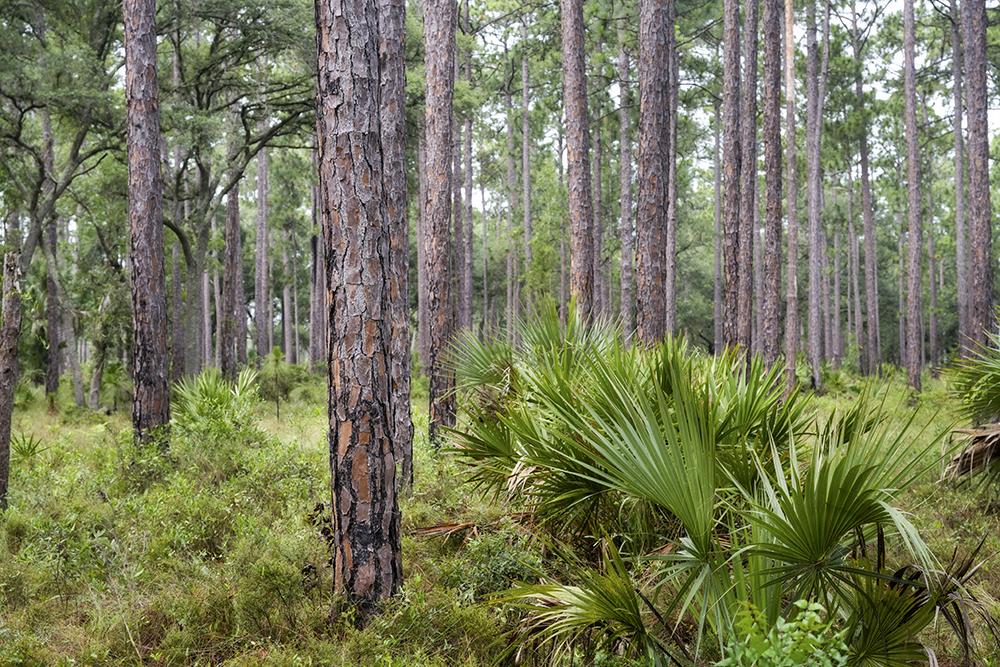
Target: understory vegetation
(597, 504)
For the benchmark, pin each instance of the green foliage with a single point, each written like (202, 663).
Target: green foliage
(209, 401)
(975, 382)
(275, 379)
(805, 640)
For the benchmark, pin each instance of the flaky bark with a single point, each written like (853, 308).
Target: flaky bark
(367, 550)
(651, 214)
(625, 225)
(913, 337)
(151, 401)
(392, 26)
(980, 236)
(771, 288)
(578, 156)
(792, 272)
(731, 170)
(439, 48)
(748, 176)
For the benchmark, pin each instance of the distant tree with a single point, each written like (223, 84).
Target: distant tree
(731, 170)
(770, 293)
(914, 343)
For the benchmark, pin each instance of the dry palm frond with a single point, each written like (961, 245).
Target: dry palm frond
(982, 450)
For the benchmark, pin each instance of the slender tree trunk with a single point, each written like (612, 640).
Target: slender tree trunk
(838, 332)
(670, 240)
(218, 301)
(901, 286)
(512, 259)
(961, 259)
(913, 337)
(718, 342)
(748, 177)
(53, 321)
(392, 69)
(651, 220)
(151, 401)
(855, 261)
(195, 305)
(872, 354)
(980, 236)
(177, 344)
(791, 279)
(262, 291)
(771, 287)
(439, 48)
(597, 226)
(465, 311)
(625, 225)
(813, 184)
(10, 332)
(526, 167)
(423, 299)
(932, 323)
(563, 261)
(240, 315)
(458, 224)
(358, 230)
(826, 312)
(578, 162)
(286, 303)
(232, 275)
(731, 171)
(486, 260)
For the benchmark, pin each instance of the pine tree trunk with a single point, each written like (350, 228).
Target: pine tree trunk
(961, 258)
(512, 259)
(526, 167)
(392, 27)
(792, 269)
(286, 303)
(651, 214)
(748, 177)
(825, 296)
(10, 332)
(670, 240)
(717, 342)
(980, 237)
(597, 225)
(813, 184)
(465, 311)
(232, 275)
(932, 323)
(625, 228)
(913, 337)
(563, 260)
(578, 156)
(901, 286)
(439, 48)
(262, 291)
(51, 241)
(151, 401)
(357, 231)
(177, 344)
(731, 171)
(855, 260)
(838, 332)
(771, 287)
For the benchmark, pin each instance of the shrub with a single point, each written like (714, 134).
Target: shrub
(804, 641)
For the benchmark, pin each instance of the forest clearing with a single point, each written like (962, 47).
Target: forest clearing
(441, 332)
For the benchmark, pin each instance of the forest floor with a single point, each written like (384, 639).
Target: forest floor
(214, 553)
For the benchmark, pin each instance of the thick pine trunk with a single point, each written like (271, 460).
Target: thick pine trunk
(731, 170)
(151, 401)
(625, 228)
(392, 27)
(357, 231)
(913, 337)
(980, 236)
(748, 176)
(578, 156)
(771, 287)
(439, 48)
(651, 214)
(792, 269)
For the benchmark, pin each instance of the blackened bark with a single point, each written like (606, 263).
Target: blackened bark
(578, 156)
(748, 176)
(792, 273)
(913, 337)
(392, 70)
(439, 48)
(980, 236)
(151, 402)
(651, 215)
(771, 288)
(367, 561)
(731, 170)
(625, 225)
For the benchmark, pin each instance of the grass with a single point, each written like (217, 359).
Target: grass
(215, 555)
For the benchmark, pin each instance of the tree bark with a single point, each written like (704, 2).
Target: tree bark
(232, 275)
(53, 321)
(913, 337)
(932, 319)
(563, 263)
(855, 261)
(457, 222)
(286, 302)
(512, 258)
(262, 291)
(526, 167)
(392, 28)
(465, 310)
(177, 344)
(597, 225)
(961, 257)
(10, 332)
(578, 157)
(717, 341)
(838, 332)
(813, 185)
(625, 227)
(731, 171)
(792, 269)
(980, 237)
(439, 46)
(771, 288)
(357, 231)
(151, 401)
(670, 240)
(748, 176)
(651, 218)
